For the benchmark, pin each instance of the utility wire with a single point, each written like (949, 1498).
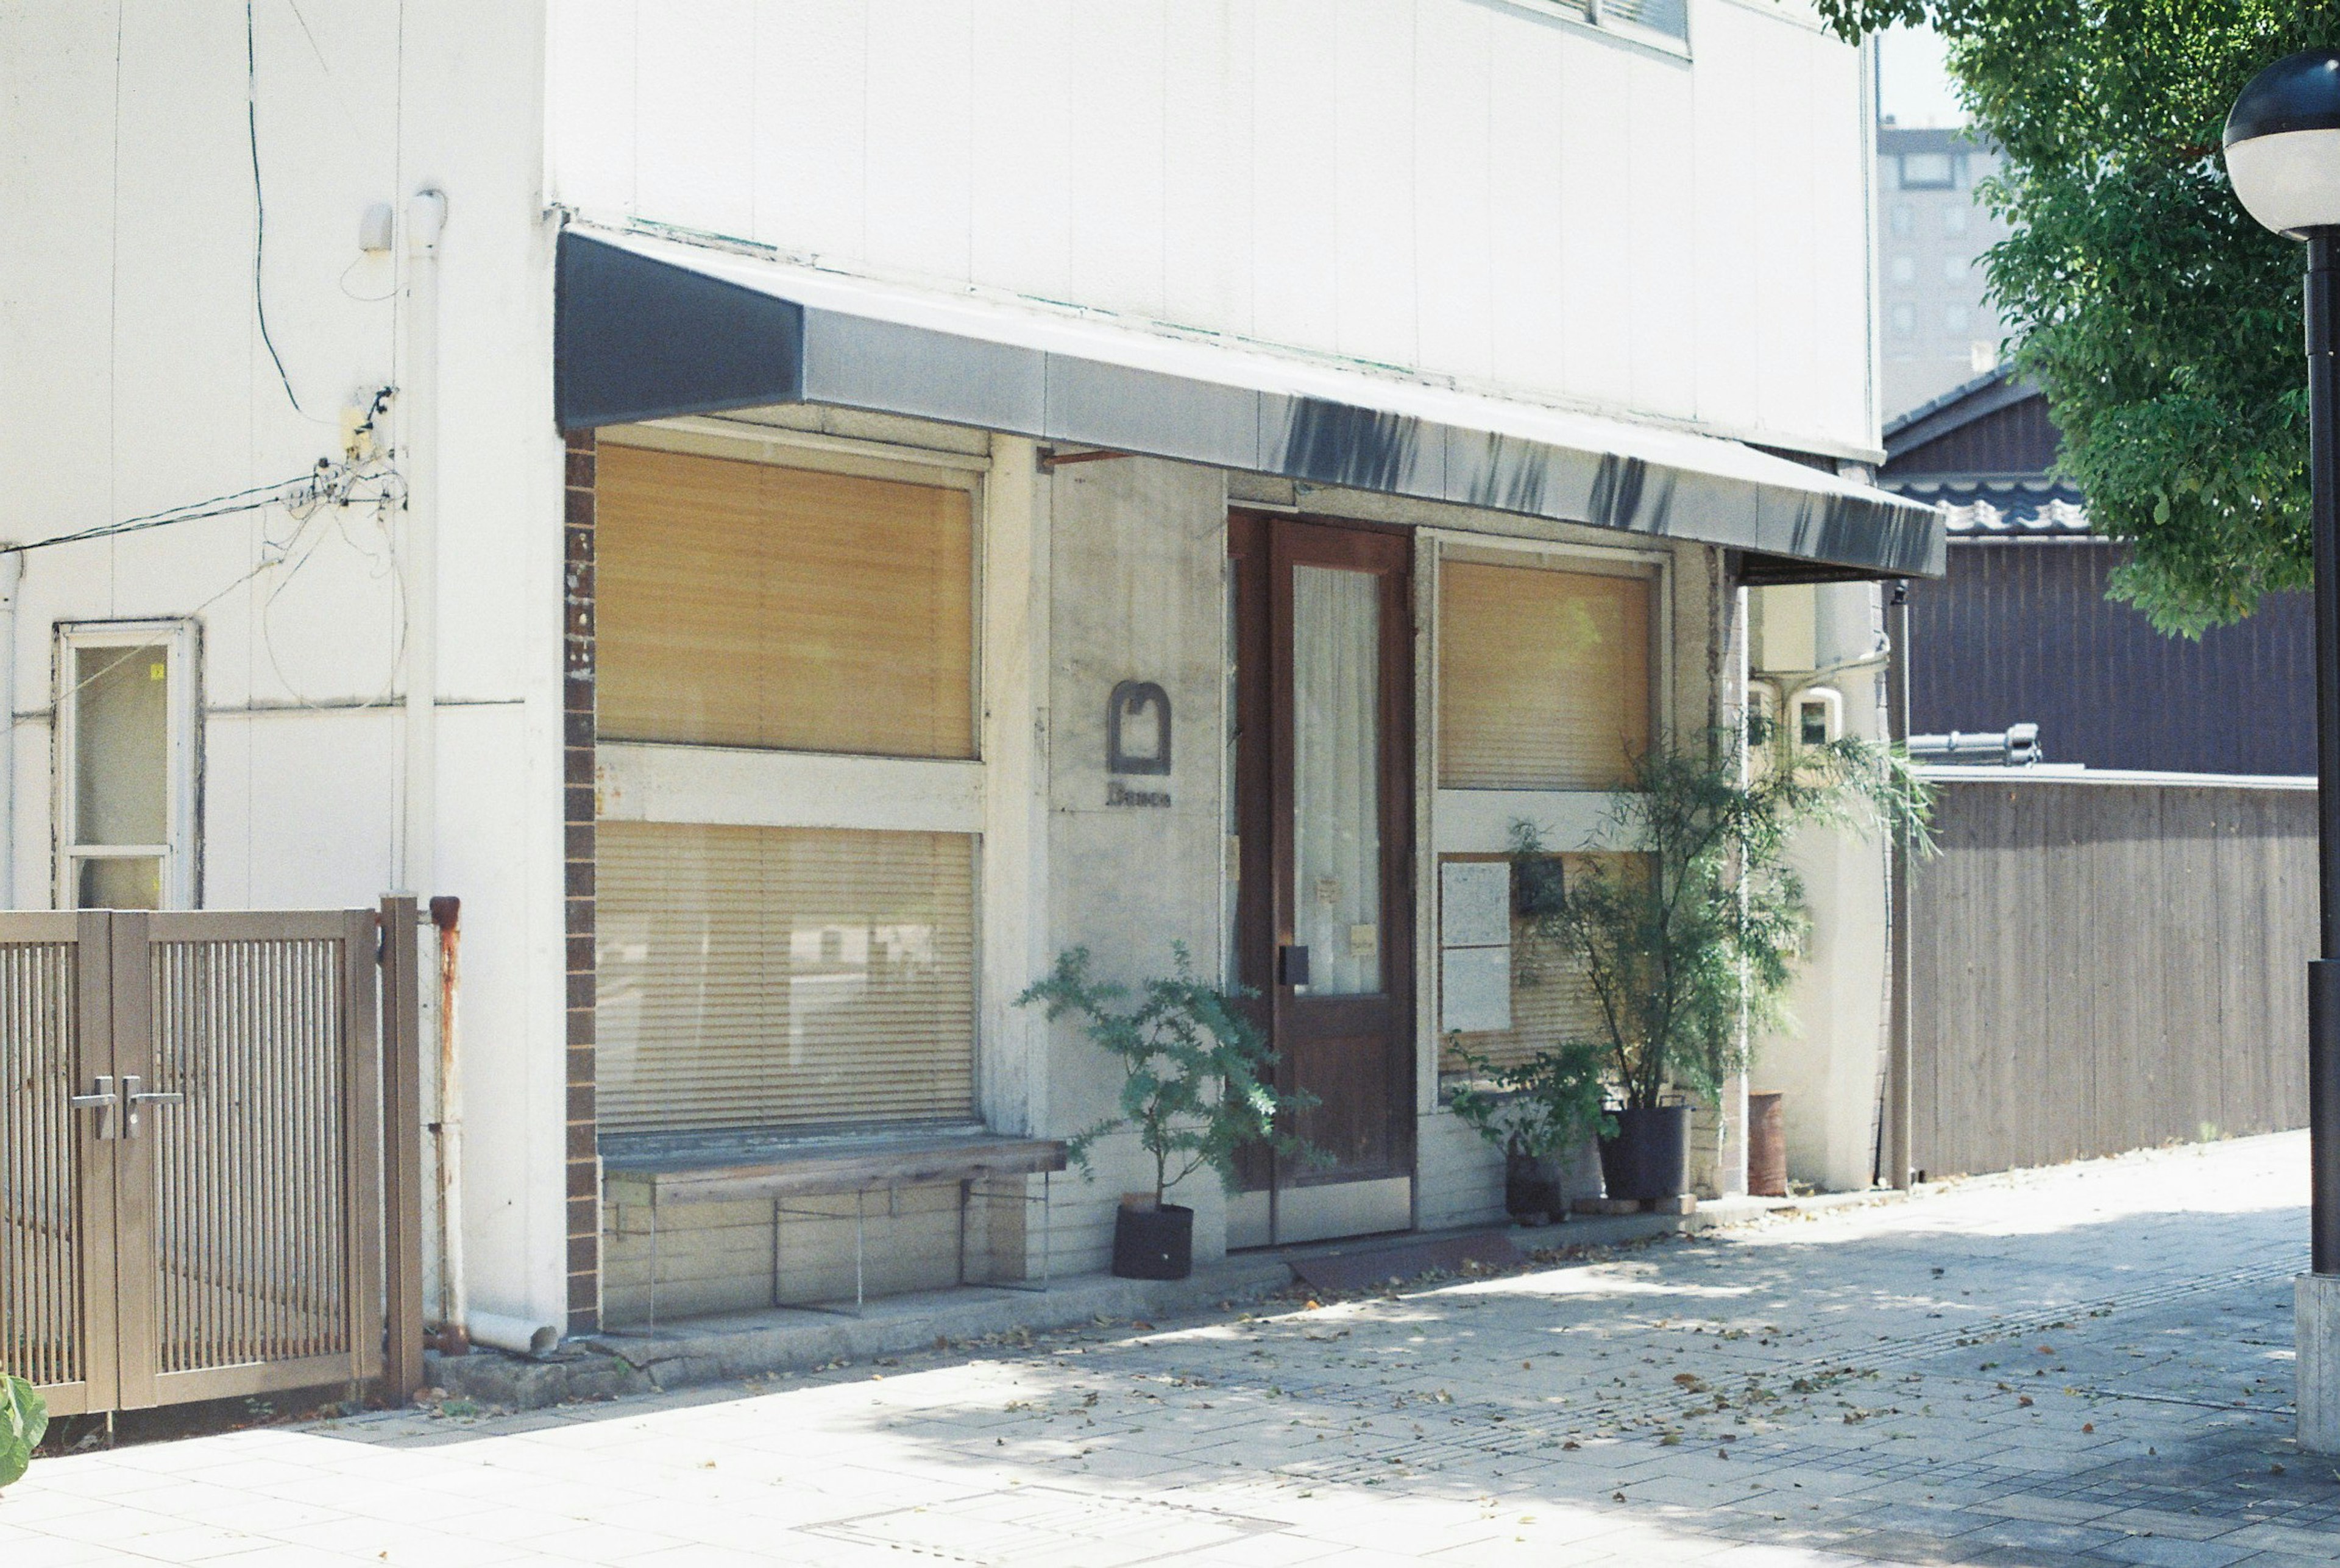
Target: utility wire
(260, 205)
(252, 499)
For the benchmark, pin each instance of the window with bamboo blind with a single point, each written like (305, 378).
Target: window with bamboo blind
(1551, 1001)
(1543, 676)
(745, 603)
(769, 977)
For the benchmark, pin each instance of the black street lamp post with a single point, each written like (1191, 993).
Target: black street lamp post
(2283, 153)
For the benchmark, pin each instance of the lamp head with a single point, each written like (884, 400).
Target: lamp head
(2283, 143)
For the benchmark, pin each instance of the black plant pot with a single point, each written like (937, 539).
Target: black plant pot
(1154, 1243)
(1649, 1157)
(1532, 1188)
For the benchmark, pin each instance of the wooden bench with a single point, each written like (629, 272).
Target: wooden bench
(651, 1170)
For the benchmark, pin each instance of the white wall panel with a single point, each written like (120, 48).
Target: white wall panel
(697, 59)
(1454, 198)
(1024, 134)
(1295, 210)
(1208, 231)
(1667, 186)
(1593, 279)
(921, 74)
(590, 65)
(1529, 245)
(1378, 278)
(1735, 248)
(1465, 189)
(125, 146)
(812, 118)
(1120, 135)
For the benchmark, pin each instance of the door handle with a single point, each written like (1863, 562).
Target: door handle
(131, 1099)
(102, 1100)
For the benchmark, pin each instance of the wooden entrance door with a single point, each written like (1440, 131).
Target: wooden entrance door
(1325, 904)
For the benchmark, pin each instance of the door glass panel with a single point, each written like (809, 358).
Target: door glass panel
(121, 736)
(1336, 778)
(119, 883)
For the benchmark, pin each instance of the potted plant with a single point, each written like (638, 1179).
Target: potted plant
(1196, 1087)
(24, 1420)
(1687, 946)
(1534, 1111)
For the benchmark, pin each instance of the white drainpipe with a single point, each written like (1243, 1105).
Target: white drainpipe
(426, 216)
(12, 577)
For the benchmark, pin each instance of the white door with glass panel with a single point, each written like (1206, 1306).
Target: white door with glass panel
(126, 805)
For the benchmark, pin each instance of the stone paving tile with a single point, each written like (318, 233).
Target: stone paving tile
(1799, 1393)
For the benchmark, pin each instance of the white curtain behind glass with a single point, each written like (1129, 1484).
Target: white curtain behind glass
(1336, 778)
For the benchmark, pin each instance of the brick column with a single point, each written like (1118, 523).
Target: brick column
(583, 1166)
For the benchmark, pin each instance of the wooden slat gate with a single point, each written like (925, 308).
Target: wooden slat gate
(191, 1154)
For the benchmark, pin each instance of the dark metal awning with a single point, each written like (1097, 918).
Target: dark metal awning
(650, 327)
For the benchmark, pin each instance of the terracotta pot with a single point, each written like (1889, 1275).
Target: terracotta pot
(1154, 1243)
(1766, 1147)
(1649, 1157)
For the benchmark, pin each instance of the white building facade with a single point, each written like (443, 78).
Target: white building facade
(798, 512)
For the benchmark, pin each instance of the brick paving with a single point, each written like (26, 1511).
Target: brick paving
(2086, 1365)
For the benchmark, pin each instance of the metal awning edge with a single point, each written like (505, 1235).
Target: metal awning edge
(649, 328)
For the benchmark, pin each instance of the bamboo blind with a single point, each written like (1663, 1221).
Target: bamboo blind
(748, 604)
(1543, 676)
(769, 977)
(1551, 1002)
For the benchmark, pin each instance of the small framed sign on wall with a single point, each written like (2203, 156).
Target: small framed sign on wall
(1137, 729)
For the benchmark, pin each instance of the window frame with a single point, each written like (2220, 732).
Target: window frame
(180, 641)
(774, 787)
(1476, 823)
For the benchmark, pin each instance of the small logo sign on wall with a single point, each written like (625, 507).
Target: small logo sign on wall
(1137, 742)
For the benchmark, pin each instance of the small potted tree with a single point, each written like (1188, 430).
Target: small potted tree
(1688, 947)
(1196, 1087)
(1534, 1111)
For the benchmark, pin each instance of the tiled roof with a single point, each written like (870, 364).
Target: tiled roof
(1976, 508)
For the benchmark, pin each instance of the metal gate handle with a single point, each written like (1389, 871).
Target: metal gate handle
(131, 1099)
(103, 1102)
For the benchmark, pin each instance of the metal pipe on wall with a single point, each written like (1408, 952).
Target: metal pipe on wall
(1900, 1101)
(426, 219)
(454, 1332)
(11, 578)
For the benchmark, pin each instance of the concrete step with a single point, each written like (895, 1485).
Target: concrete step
(791, 1339)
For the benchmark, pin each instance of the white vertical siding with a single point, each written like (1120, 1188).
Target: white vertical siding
(1463, 189)
(137, 380)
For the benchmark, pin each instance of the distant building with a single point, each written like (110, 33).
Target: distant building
(1938, 330)
(2020, 631)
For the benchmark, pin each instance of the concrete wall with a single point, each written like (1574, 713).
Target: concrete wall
(137, 380)
(1827, 1065)
(1138, 591)
(1468, 190)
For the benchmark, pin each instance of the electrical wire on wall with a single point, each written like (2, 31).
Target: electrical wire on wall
(331, 487)
(260, 209)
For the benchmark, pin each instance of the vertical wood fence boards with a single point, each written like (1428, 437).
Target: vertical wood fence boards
(2107, 965)
(209, 1222)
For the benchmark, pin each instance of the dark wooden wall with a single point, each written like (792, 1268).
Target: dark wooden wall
(2022, 632)
(2100, 967)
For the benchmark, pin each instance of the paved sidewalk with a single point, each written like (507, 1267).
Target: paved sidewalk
(2084, 1366)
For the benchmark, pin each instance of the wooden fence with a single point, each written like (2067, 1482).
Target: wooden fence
(2108, 961)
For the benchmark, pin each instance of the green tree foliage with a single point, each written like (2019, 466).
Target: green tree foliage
(2162, 320)
(1196, 1074)
(1688, 947)
(24, 1420)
